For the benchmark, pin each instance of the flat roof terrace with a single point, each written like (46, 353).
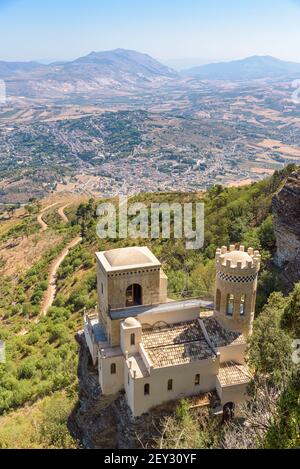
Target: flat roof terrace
(161, 308)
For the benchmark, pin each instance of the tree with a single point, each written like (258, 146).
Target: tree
(284, 433)
(291, 315)
(270, 345)
(30, 209)
(266, 234)
(53, 429)
(11, 210)
(185, 430)
(257, 417)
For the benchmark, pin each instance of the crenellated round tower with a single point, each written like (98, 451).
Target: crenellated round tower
(236, 285)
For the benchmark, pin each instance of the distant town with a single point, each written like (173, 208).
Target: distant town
(172, 133)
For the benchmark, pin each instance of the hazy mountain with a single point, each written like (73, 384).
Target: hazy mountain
(187, 63)
(13, 69)
(124, 72)
(117, 70)
(245, 69)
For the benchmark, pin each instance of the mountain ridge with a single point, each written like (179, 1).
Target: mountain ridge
(115, 70)
(123, 71)
(253, 67)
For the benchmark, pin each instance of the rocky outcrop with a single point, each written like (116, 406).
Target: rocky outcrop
(105, 422)
(94, 421)
(286, 209)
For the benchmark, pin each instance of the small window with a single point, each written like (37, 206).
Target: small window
(147, 389)
(197, 380)
(102, 288)
(132, 339)
(243, 305)
(230, 305)
(128, 379)
(170, 385)
(113, 369)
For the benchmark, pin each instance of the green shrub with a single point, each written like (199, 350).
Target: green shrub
(26, 369)
(56, 333)
(32, 338)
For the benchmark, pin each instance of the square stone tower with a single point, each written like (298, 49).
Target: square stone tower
(126, 278)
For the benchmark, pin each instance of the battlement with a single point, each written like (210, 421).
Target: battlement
(237, 260)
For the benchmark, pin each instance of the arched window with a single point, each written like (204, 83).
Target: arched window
(134, 295)
(230, 305)
(113, 369)
(197, 380)
(170, 385)
(243, 305)
(218, 300)
(132, 339)
(147, 389)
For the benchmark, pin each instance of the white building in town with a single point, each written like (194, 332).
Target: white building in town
(157, 350)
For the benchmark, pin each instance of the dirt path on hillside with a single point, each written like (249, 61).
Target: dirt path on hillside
(61, 212)
(51, 290)
(40, 220)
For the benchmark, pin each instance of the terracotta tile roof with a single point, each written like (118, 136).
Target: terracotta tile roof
(179, 354)
(176, 344)
(169, 334)
(219, 336)
(231, 374)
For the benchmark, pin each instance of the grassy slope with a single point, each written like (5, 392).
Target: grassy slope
(41, 425)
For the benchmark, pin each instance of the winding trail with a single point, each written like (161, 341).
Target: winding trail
(40, 220)
(51, 290)
(62, 214)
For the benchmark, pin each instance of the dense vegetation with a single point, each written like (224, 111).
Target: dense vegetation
(41, 353)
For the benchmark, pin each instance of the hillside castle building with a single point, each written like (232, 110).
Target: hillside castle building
(158, 350)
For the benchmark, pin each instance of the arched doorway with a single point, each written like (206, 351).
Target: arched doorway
(228, 411)
(134, 295)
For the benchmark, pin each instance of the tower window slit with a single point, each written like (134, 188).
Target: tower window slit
(243, 305)
(230, 305)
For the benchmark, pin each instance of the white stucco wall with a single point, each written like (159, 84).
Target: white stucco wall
(92, 346)
(170, 317)
(126, 338)
(183, 377)
(236, 393)
(235, 353)
(111, 383)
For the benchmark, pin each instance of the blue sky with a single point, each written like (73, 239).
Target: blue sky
(166, 29)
